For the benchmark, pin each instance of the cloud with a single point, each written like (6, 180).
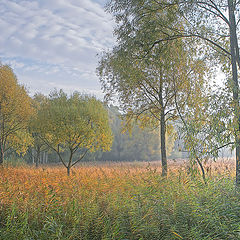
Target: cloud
(45, 83)
(54, 37)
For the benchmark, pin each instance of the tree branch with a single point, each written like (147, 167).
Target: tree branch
(80, 158)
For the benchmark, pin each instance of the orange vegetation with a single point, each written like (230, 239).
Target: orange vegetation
(44, 187)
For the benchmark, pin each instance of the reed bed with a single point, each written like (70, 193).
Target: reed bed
(119, 201)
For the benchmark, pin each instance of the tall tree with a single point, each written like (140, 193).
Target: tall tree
(73, 123)
(212, 23)
(15, 112)
(146, 86)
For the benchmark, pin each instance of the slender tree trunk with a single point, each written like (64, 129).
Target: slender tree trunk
(70, 162)
(235, 85)
(32, 154)
(68, 170)
(163, 145)
(46, 157)
(162, 131)
(1, 154)
(202, 170)
(37, 156)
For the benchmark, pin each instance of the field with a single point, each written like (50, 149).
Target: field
(119, 201)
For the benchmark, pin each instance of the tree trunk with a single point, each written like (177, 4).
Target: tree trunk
(43, 157)
(202, 170)
(46, 157)
(70, 162)
(163, 144)
(37, 156)
(32, 154)
(1, 154)
(162, 129)
(68, 170)
(235, 85)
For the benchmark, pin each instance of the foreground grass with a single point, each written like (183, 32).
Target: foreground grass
(119, 202)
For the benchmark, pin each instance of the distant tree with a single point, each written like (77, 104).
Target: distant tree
(118, 138)
(72, 123)
(135, 144)
(38, 145)
(15, 112)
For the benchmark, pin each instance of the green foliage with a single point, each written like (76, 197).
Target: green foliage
(72, 123)
(211, 26)
(186, 35)
(208, 124)
(145, 73)
(38, 145)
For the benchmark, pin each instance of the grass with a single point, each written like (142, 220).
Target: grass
(118, 201)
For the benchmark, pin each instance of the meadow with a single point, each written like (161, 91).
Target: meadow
(119, 201)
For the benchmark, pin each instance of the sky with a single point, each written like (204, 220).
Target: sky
(54, 43)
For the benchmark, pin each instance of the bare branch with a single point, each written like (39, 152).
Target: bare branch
(80, 158)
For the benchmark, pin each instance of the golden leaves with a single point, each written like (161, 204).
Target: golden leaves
(15, 110)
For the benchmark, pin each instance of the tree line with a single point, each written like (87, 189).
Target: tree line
(68, 129)
(77, 123)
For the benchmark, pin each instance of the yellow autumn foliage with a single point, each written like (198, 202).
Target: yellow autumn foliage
(15, 112)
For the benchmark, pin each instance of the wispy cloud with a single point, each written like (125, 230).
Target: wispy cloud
(52, 38)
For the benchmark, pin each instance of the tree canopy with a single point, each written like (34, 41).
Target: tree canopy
(72, 123)
(210, 26)
(145, 80)
(15, 112)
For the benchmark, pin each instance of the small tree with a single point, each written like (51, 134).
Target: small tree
(73, 123)
(15, 112)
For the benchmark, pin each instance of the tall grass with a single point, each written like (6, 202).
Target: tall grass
(116, 202)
